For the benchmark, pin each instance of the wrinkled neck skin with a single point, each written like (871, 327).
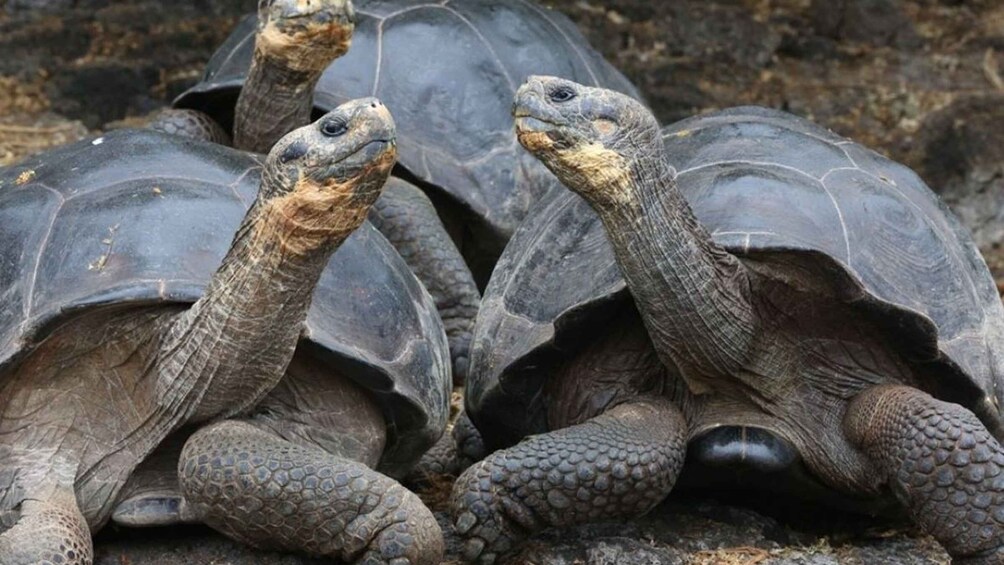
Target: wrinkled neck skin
(233, 346)
(693, 295)
(275, 100)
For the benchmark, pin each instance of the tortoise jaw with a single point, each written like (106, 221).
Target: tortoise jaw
(539, 134)
(531, 124)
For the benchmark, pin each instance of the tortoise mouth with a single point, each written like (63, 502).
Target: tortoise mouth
(370, 150)
(526, 123)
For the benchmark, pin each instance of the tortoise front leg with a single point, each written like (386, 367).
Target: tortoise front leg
(270, 493)
(618, 464)
(407, 218)
(49, 530)
(941, 463)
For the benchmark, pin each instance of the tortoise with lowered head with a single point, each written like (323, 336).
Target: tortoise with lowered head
(745, 292)
(306, 368)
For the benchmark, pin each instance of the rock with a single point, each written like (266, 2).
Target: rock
(98, 93)
(960, 152)
(46, 5)
(104, 60)
(875, 22)
(21, 136)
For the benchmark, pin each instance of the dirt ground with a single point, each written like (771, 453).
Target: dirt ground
(920, 80)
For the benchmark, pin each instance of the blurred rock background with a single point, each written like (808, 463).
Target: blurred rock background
(919, 80)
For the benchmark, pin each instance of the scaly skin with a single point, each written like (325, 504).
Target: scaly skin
(50, 532)
(270, 493)
(620, 463)
(190, 123)
(941, 463)
(453, 453)
(295, 42)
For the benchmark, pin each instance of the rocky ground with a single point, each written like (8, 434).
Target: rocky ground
(921, 80)
(686, 530)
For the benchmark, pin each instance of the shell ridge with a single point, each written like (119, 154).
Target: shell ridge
(33, 276)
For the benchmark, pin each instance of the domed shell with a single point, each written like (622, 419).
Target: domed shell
(142, 217)
(448, 71)
(763, 183)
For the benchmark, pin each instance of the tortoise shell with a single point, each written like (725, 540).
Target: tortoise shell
(448, 71)
(142, 217)
(763, 183)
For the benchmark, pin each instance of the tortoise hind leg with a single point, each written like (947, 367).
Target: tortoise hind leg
(48, 531)
(453, 453)
(941, 463)
(407, 218)
(618, 464)
(265, 491)
(190, 123)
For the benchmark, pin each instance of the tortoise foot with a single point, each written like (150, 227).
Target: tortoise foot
(48, 532)
(618, 464)
(453, 453)
(469, 444)
(267, 492)
(941, 463)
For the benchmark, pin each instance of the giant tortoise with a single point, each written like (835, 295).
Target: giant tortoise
(789, 308)
(294, 41)
(448, 71)
(121, 326)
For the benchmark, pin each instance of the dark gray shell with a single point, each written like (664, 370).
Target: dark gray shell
(763, 182)
(448, 71)
(139, 216)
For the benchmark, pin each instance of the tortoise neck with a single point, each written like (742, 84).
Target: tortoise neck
(275, 100)
(693, 295)
(233, 345)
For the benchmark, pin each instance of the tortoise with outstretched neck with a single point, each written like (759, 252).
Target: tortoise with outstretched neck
(305, 351)
(744, 291)
(293, 43)
(448, 71)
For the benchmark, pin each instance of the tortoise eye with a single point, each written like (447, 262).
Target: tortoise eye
(334, 128)
(561, 94)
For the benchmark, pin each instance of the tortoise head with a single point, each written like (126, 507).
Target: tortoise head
(304, 35)
(593, 139)
(320, 180)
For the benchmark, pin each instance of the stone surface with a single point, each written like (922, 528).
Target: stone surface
(960, 152)
(100, 61)
(875, 22)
